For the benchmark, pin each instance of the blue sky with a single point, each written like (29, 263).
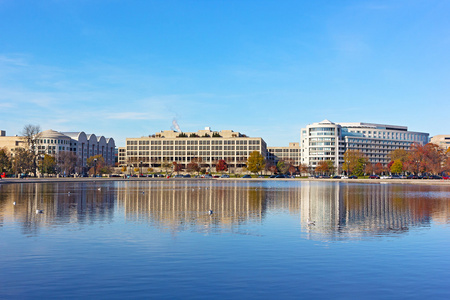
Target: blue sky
(264, 68)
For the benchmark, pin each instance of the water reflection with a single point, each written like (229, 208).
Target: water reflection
(338, 209)
(61, 203)
(352, 210)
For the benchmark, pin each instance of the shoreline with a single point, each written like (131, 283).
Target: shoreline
(366, 181)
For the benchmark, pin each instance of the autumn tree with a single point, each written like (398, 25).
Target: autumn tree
(31, 135)
(193, 167)
(303, 168)
(177, 167)
(221, 166)
(397, 167)
(5, 160)
(434, 158)
(378, 168)
(273, 169)
(47, 164)
(322, 167)
(268, 166)
(425, 158)
(283, 166)
(255, 162)
(97, 165)
(399, 154)
(292, 169)
(23, 161)
(369, 169)
(354, 162)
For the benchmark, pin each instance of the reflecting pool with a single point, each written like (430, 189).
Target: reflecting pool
(264, 239)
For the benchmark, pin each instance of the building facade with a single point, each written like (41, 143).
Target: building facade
(329, 141)
(53, 142)
(442, 140)
(292, 153)
(181, 147)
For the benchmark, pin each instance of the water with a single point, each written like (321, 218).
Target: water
(156, 239)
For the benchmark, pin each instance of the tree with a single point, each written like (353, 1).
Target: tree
(273, 169)
(97, 165)
(47, 165)
(354, 162)
(23, 161)
(177, 167)
(166, 166)
(255, 162)
(193, 167)
(67, 162)
(292, 170)
(378, 168)
(5, 160)
(322, 167)
(282, 166)
(221, 166)
(425, 158)
(399, 154)
(31, 135)
(369, 169)
(434, 158)
(397, 167)
(331, 168)
(303, 168)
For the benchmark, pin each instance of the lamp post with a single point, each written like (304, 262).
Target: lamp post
(95, 167)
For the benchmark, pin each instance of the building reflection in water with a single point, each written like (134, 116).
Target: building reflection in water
(184, 205)
(352, 210)
(84, 205)
(338, 209)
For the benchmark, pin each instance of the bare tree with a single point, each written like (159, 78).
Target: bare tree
(67, 162)
(31, 135)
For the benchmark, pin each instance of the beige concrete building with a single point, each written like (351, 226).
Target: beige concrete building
(291, 153)
(181, 147)
(53, 142)
(10, 142)
(443, 140)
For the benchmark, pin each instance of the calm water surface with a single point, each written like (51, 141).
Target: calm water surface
(155, 239)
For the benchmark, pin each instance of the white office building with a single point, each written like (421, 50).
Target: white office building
(329, 141)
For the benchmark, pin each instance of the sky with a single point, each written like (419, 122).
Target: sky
(263, 68)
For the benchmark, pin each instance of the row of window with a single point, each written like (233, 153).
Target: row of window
(193, 142)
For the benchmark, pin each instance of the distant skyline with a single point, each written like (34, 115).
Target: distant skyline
(264, 68)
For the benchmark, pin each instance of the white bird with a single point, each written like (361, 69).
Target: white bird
(39, 211)
(99, 189)
(311, 222)
(210, 212)
(14, 203)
